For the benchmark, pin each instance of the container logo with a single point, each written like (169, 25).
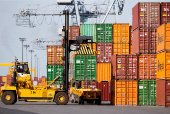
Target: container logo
(160, 66)
(119, 61)
(166, 9)
(160, 38)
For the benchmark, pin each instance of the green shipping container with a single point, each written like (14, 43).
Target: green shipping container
(84, 67)
(104, 33)
(147, 92)
(88, 30)
(53, 71)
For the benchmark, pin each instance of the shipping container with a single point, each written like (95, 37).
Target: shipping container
(88, 30)
(125, 67)
(53, 71)
(9, 77)
(163, 93)
(121, 33)
(112, 92)
(147, 92)
(130, 49)
(147, 66)
(120, 49)
(9, 82)
(55, 54)
(0, 78)
(89, 84)
(165, 12)
(44, 83)
(4, 78)
(104, 52)
(73, 32)
(144, 41)
(35, 79)
(163, 38)
(130, 34)
(163, 65)
(146, 14)
(126, 92)
(103, 72)
(35, 83)
(43, 79)
(104, 33)
(106, 92)
(84, 67)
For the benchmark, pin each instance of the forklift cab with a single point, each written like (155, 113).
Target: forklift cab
(22, 68)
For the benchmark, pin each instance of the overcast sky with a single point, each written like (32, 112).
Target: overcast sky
(10, 46)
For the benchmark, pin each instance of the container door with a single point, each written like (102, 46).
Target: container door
(167, 94)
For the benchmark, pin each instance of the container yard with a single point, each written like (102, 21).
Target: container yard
(112, 58)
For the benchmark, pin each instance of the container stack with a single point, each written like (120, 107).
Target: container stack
(104, 35)
(163, 62)
(145, 20)
(54, 63)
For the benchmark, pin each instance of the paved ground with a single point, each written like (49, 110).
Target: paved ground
(52, 108)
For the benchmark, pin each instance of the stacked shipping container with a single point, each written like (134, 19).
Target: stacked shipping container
(163, 60)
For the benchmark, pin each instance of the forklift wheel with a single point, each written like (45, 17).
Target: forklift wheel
(8, 98)
(61, 98)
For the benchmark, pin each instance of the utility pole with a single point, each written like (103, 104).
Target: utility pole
(31, 51)
(35, 63)
(22, 40)
(26, 46)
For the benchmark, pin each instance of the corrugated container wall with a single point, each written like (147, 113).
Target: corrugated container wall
(84, 67)
(106, 92)
(4, 78)
(163, 64)
(121, 33)
(144, 41)
(163, 93)
(55, 54)
(73, 32)
(146, 14)
(147, 92)
(120, 49)
(89, 84)
(113, 92)
(125, 67)
(53, 71)
(0, 78)
(104, 52)
(165, 12)
(88, 30)
(163, 38)
(126, 92)
(103, 72)
(130, 34)
(147, 66)
(104, 33)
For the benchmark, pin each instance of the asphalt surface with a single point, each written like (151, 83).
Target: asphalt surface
(51, 108)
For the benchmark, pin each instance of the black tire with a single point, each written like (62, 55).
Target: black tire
(80, 100)
(12, 99)
(62, 101)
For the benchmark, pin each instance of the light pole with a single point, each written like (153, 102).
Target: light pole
(35, 63)
(37, 68)
(22, 40)
(31, 51)
(26, 46)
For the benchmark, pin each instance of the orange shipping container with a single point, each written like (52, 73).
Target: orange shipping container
(120, 49)
(163, 64)
(163, 37)
(147, 66)
(130, 49)
(44, 83)
(121, 33)
(103, 72)
(43, 79)
(55, 54)
(4, 79)
(126, 92)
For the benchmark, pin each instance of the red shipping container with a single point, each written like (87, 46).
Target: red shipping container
(165, 12)
(9, 82)
(35, 79)
(106, 91)
(146, 14)
(104, 52)
(0, 78)
(130, 34)
(125, 67)
(163, 93)
(144, 41)
(73, 32)
(147, 66)
(89, 84)
(9, 77)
